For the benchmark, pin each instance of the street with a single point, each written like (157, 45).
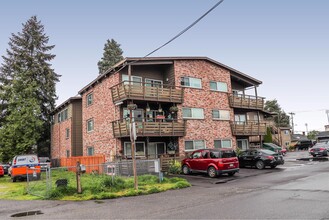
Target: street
(296, 190)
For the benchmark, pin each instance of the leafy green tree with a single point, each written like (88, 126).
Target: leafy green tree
(28, 91)
(268, 136)
(312, 134)
(112, 55)
(281, 119)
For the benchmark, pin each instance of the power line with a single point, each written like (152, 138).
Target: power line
(174, 38)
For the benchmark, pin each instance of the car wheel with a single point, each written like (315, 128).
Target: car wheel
(260, 165)
(212, 172)
(273, 166)
(13, 179)
(186, 169)
(231, 174)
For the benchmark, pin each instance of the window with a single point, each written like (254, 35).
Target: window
(67, 153)
(153, 83)
(286, 132)
(90, 125)
(218, 86)
(67, 133)
(240, 119)
(136, 79)
(287, 144)
(191, 82)
(139, 149)
(194, 145)
(63, 115)
(221, 114)
(89, 99)
(225, 143)
(90, 151)
(193, 113)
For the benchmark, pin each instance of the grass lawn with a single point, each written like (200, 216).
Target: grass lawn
(93, 187)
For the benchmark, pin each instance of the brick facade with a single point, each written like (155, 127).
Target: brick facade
(103, 111)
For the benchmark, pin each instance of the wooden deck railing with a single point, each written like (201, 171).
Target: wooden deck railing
(246, 101)
(144, 91)
(248, 128)
(143, 129)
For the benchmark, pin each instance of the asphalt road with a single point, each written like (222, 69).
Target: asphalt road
(296, 190)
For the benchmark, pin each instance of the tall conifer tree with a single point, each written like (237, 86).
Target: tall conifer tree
(28, 92)
(112, 54)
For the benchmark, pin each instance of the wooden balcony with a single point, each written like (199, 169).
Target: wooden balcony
(144, 91)
(248, 128)
(246, 101)
(148, 129)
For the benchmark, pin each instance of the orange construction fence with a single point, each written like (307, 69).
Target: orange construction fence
(92, 163)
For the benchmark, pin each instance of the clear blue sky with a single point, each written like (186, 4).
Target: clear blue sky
(283, 43)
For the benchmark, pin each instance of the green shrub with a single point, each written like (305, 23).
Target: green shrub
(175, 167)
(182, 184)
(148, 179)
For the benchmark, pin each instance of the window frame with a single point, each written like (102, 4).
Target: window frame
(126, 81)
(221, 143)
(92, 151)
(221, 118)
(193, 144)
(68, 153)
(93, 125)
(63, 115)
(192, 114)
(137, 142)
(217, 86)
(67, 133)
(89, 103)
(190, 86)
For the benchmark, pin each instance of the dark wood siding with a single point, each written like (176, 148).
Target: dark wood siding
(76, 128)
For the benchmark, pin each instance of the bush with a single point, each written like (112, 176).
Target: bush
(175, 167)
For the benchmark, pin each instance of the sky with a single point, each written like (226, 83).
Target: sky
(285, 44)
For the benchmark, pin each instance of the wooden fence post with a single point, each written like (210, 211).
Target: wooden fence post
(78, 172)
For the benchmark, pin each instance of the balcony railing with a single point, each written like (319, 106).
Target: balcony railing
(246, 101)
(248, 128)
(147, 92)
(147, 129)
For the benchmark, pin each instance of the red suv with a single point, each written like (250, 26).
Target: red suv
(214, 162)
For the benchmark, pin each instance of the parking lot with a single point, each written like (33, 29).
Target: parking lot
(293, 160)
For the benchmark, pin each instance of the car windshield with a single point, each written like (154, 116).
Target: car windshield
(44, 159)
(272, 145)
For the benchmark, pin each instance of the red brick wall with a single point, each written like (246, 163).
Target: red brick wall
(103, 112)
(206, 129)
(59, 142)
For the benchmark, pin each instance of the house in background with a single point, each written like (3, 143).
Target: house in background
(182, 104)
(66, 130)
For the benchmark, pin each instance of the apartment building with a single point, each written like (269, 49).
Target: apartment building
(66, 129)
(180, 104)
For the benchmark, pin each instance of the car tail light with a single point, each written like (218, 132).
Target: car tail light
(322, 148)
(311, 150)
(220, 163)
(15, 162)
(270, 157)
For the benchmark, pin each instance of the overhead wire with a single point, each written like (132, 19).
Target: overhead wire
(172, 39)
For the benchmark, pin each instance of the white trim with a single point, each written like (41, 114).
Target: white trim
(155, 80)
(221, 142)
(194, 145)
(221, 118)
(189, 77)
(192, 113)
(91, 119)
(217, 83)
(128, 142)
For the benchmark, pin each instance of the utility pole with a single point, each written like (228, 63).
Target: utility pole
(327, 112)
(306, 128)
(292, 121)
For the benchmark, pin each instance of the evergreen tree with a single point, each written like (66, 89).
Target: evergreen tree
(112, 55)
(268, 136)
(281, 119)
(28, 91)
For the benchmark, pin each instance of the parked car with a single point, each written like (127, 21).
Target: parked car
(5, 167)
(319, 149)
(2, 172)
(303, 145)
(214, 162)
(260, 158)
(44, 163)
(274, 147)
(25, 165)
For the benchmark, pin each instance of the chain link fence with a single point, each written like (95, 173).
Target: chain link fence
(42, 182)
(39, 181)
